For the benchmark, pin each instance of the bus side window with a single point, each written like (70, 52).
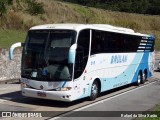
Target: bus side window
(114, 42)
(132, 43)
(97, 45)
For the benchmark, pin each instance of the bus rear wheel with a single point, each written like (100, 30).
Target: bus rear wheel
(139, 79)
(94, 90)
(145, 76)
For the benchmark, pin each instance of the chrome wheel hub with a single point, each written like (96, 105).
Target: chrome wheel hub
(94, 89)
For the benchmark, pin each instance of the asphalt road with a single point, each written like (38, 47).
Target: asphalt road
(119, 107)
(128, 98)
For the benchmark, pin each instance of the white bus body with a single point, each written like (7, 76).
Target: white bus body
(66, 62)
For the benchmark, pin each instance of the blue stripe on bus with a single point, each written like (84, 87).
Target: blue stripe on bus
(142, 66)
(127, 76)
(64, 84)
(152, 38)
(149, 45)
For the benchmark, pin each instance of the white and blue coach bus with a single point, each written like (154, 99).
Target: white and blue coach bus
(66, 62)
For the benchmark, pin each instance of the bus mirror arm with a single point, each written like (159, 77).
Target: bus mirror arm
(72, 54)
(19, 44)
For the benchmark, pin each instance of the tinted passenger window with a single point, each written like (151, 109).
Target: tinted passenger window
(132, 43)
(109, 42)
(82, 52)
(97, 45)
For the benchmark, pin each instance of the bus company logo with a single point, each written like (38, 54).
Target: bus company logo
(41, 87)
(118, 59)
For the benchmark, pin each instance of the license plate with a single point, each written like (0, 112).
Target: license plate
(41, 94)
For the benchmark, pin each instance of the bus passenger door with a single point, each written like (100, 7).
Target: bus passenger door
(82, 52)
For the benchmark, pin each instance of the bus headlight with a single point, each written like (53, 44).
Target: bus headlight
(24, 85)
(64, 89)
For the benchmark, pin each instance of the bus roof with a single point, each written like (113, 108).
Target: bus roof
(78, 27)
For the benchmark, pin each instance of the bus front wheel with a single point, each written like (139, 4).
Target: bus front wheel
(94, 90)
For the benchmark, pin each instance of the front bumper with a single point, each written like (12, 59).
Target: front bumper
(52, 95)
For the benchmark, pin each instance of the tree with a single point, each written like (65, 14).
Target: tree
(132, 6)
(34, 8)
(3, 6)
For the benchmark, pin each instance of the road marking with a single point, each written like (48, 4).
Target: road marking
(100, 101)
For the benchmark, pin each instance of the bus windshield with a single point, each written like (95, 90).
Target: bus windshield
(45, 55)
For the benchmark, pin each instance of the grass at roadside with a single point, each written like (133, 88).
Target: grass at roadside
(157, 45)
(9, 37)
(157, 108)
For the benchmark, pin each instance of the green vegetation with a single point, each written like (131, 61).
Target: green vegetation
(17, 18)
(33, 7)
(149, 118)
(131, 6)
(3, 5)
(157, 45)
(157, 108)
(8, 37)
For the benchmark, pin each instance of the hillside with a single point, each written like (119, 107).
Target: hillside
(131, 6)
(17, 22)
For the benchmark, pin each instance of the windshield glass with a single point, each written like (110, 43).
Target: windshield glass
(45, 55)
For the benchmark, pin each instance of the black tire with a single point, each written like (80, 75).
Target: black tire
(145, 76)
(94, 91)
(139, 79)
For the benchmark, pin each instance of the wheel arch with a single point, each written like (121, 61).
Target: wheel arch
(99, 84)
(146, 72)
(140, 72)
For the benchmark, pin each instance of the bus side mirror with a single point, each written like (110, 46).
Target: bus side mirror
(72, 53)
(19, 44)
